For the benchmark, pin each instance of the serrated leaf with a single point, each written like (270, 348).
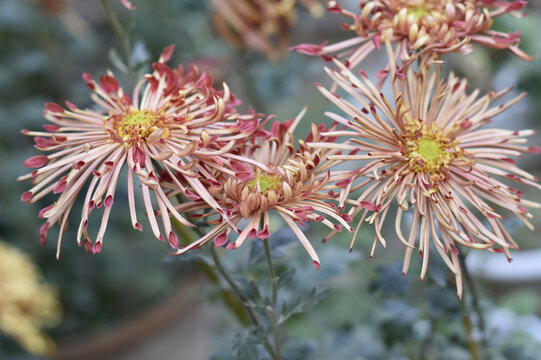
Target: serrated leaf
(302, 303)
(244, 344)
(250, 291)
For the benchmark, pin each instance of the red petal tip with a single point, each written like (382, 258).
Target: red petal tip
(53, 108)
(173, 240)
(36, 161)
(26, 196)
(96, 248)
(108, 201)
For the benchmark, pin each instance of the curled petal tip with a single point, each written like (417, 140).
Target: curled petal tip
(87, 245)
(96, 249)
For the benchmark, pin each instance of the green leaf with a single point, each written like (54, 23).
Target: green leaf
(245, 344)
(302, 303)
(285, 277)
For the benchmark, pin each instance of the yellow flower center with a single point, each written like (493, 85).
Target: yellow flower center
(266, 182)
(137, 125)
(428, 149)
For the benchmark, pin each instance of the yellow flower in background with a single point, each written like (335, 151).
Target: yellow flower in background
(27, 305)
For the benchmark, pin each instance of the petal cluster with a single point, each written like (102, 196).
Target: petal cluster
(175, 121)
(419, 26)
(427, 151)
(269, 175)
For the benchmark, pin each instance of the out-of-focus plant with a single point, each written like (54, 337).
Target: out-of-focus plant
(263, 25)
(27, 304)
(417, 27)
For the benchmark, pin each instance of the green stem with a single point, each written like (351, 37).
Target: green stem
(272, 275)
(474, 300)
(274, 317)
(473, 346)
(221, 269)
(123, 36)
(232, 302)
(248, 82)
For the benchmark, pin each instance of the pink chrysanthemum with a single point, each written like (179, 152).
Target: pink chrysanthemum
(271, 175)
(440, 26)
(262, 25)
(175, 122)
(429, 153)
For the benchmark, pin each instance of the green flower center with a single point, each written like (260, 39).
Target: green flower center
(138, 118)
(266, 182)
(137, 125)
(430, 150)
(418, 11)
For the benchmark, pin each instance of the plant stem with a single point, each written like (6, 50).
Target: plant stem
(273, 314)
(272, 275)
(474, 300)
(123, 36)
(232, 302)
(221, 269)
(248, 83)
(473, 346)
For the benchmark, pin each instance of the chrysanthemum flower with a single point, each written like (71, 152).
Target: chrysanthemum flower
(271, 176)
(175, 121)
(440, 26)
(430, 154)
(27, 304)
(262, 25)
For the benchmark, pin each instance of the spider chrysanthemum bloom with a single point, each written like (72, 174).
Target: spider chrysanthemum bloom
(175, 122)
(262, 25)
(440, 26)
(270, 176)
(430, 155)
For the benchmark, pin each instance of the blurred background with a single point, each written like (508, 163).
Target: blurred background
(132, 302)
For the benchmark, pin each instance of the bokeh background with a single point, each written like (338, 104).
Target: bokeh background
(133, 302)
